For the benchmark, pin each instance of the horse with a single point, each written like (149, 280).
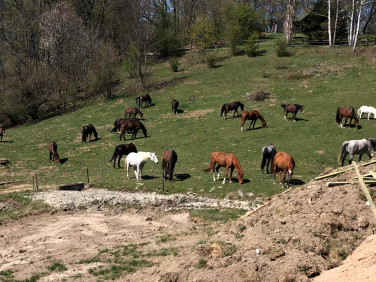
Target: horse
(168, 163)
(118, 122)
(175, 106)
(367, 110)
(227, 160)
(353, 147)
(132, 125)
(138, 160)
(253, 116)
(87, 130)
(283, 162)
(267, 153)
(2, 133)
(52, 149)
(347, 112)
(120, 150)
(292, 108)
(132, 112)
(145, 98)
(231, 107)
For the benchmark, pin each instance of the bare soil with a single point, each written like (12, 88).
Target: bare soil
(309, 232)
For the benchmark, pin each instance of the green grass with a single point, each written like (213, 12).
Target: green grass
(217, 215)
(319, 78)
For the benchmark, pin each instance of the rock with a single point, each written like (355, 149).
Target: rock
(276, 254)
(169, 277)
(216, 251)
(362, 222)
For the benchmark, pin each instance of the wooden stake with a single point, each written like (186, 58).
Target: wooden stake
(365, 189)
(87, 174)
(369, 162)
(332, 174)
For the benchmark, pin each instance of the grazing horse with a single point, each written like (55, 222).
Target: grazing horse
(141, 99)
(52, 149)
(120, 150)
(253, 116)
(227, 160)
(231, 107)
(132, 125)
(175, 106)
(353, 147)
(168, 163)
(283, 162)
(267, 153)
(367, 110)
(347, 112)
(2, 133)
(292, 108)
(118, 122)
(138, 160)
(87, 130)
(132, 112)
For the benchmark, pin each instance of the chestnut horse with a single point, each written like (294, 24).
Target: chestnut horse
(283, 162)
(132, 125)
(253, 116)
(120, 150)
(2, 133)
(175, 106)
(292, 108)
(231, 107)
(52, 149)
(87, 130)
(168, 163)
(227, 160)
(132, 112)
(141, 99)
(347, 112)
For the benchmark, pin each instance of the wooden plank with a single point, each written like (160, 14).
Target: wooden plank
(333, 174)
(338, 183)
(9, 182)
(365, 189)
(369, 162)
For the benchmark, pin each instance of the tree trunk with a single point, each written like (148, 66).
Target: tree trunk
(335, 24)
(350, 29)
(329, 25)
(371, 13)
(357, 26)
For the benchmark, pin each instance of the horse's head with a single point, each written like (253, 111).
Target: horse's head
(141, 114)
(153, 158)
(56, 158)
(301, 109)
(240, 176)
(241, 106)
(264, 123)
(373, 143)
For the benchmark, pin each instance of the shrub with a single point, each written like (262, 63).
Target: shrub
(259, 95)
(174, 64)
(251, 47)
(211, 59)
(281, 48)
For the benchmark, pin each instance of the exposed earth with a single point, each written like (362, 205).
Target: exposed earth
(311, 232)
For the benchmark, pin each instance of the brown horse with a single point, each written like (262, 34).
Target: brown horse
(175, 106)
(141, 99)
(227, 160)
(231, 107)
(120, 150)
(283, 162)
(132, 112)
(253, 116)
(52, 149)
(168, 163)
(2, 133)
(118, 122)
(347, 112)
(132, 125)
(292, 108)
(87, 130)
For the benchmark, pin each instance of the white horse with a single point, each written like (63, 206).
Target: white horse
(367, 110)
(138, 160)
(358, 147)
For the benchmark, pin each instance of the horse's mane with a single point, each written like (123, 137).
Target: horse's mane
(237, 166)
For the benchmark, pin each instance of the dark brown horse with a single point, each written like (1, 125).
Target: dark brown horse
(52, 149)
(132, 112)
(253, 116)
(120, 150)
(168, 163)
(175, 106)
(231, 107)
(347, 112)
(132, 125)
(141, 99)
(2, 133)
(227, 160)
(87, 130)
(118, 122)
(292, 108)
(283, 162)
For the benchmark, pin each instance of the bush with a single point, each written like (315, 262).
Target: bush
(251, 47)
(174, 64)
(259, 95)
(211, 59)
(281, 48)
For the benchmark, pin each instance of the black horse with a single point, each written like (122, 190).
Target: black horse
(120, 150)
(118, 122)
(267, 153)
(2, 133)
(141, 99)
(292, 108)
(87, 130)
(132, 125)
(231, 107)
(175, 106)
(52, 149)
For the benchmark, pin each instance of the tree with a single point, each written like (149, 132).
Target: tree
(203, 32)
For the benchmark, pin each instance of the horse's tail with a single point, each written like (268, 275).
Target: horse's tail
(172, 160)
(83, 135)
(223, 109)
(95, 133)
(116, 126)
(342, 152)
(114, 155)
(283, 105)
(211, 166)
(338, 120)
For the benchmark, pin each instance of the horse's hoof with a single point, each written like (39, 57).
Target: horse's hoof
(274, 182)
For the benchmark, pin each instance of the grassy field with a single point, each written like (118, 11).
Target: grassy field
(319, 78)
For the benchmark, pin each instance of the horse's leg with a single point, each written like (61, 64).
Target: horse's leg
(286, 115)
(351, 158)
(360, 157)
(231, 170)
(119, 158)
(267, 166)
(293, 118)
(346, 121)
(275, 171)
(217, 170)
(242, 129)
(368, 115)
(127, 167)
(136, 170)
(140, 171)
(226, 173)
(284, 178)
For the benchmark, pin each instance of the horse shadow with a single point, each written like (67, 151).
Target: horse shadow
(256, 128)
(244, 181)
(63, 161)
(352, 126)
(95, 140)
(300, 119)
(297, 182)
(147, 177)
(180, 111)
(7, 141)
(182, 176)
